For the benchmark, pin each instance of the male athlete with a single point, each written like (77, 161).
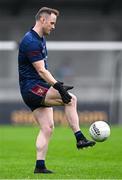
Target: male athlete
(40, 90)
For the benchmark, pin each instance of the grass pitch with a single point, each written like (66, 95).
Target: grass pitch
(17, 155)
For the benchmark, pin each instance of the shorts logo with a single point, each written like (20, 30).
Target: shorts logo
(39, 90)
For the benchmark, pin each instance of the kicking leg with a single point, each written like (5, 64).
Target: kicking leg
(71, 114)
(73, 119)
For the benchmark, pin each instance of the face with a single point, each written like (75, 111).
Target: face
(48, 23)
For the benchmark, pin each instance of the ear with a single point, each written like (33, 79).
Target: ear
(42, 19)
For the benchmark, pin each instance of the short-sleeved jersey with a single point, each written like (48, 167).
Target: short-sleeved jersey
(32, 48)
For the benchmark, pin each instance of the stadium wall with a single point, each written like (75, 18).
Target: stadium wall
(18, 113)
(96, 77)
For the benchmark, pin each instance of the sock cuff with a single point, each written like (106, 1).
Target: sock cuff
(78, 132)
(40, 163)
(79, 136)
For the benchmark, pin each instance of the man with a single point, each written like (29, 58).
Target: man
(40, 90)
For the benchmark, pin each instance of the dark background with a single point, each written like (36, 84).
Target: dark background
(95, 75)
(82, 20)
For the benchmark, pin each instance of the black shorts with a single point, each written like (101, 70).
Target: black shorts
(34, 97)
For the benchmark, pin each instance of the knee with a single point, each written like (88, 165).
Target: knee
(48, 129)
(73, 100)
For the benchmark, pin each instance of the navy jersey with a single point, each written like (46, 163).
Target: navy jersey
(32, 48)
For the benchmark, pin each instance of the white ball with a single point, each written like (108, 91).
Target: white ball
(99, 131)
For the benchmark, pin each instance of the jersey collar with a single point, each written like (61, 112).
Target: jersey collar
(36, 34)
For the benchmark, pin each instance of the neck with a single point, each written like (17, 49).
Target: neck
(38, 30)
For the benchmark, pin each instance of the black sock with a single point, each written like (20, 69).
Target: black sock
(79, 136)
(40, 164)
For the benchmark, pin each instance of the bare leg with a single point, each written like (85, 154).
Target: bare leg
(72, 115)
(44, 117)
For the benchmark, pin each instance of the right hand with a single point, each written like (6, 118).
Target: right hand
(66, 98)
(66, 87)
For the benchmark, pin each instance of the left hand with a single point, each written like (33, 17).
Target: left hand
(68, 87)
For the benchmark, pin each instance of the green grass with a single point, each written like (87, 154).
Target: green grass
(17, 155)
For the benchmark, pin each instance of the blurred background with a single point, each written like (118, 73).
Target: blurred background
(95, 74)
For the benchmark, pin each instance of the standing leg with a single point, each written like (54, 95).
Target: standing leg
(44, 117)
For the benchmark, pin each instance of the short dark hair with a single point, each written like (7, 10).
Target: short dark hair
(47, 11)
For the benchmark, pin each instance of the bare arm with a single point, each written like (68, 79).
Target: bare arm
(44, 73)
(47, 76)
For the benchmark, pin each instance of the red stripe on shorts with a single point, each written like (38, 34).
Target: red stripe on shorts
(39, 90)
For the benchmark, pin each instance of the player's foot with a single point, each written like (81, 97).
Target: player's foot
(44, 170)
(85, 143)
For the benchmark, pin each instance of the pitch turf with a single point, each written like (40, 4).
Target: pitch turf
(17, 155)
